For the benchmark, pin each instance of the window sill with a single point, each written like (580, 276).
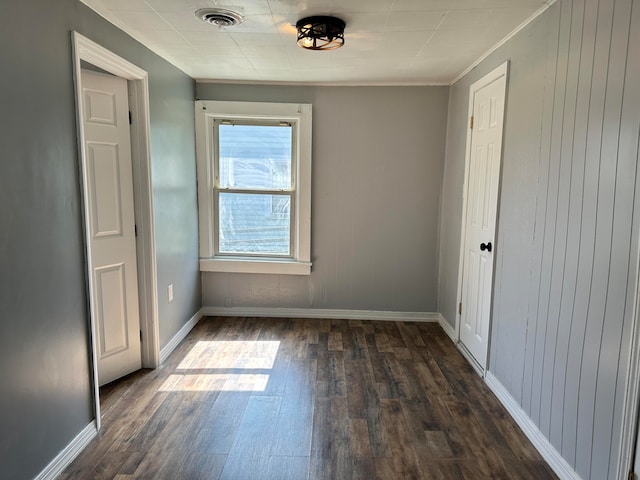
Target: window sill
(255, 265)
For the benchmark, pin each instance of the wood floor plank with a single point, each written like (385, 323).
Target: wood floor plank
(489, 462)
(199, 465)
(341, 457)
(396, 340)
(335, 341)
(418, 381)
(379, 439)
(322, 440)
(410, 334)
(331, 450)
(169, 451)
(384, 468)
(109, 466)
(424, 371)
(355, 344)
(277, 377)
(331, 375)
(421, 419)
(153, 428)
(250, 452)
(284, 467)
(132, 463)
(393, 384)
(383, 345)
(405, 460)
(308, 399)
(295, 418)
(363, 468)
(360, 386)
(359, 438)
(255, 434)
(444, 470)
(221, 421)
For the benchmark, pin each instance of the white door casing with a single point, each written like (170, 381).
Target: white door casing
(86, 50)
(111, 223)
(484, 153)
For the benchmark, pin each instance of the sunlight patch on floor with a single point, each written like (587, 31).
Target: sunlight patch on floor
(230, 354)
(215, 382)
(217, 358)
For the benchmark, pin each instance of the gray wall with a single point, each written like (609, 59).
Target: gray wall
(377, 169)
(46, 393)
(567, 244)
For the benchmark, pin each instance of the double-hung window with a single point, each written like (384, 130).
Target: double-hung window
(254, 186)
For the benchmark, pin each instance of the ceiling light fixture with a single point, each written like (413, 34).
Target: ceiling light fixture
(220, 17)
(320, 33)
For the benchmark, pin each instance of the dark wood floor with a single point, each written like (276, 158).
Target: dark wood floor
(250, 398)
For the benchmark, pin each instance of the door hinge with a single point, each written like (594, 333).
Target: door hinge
(130, 121)
(460, 308)
(471, 122)
(135, 230)
(140, 335)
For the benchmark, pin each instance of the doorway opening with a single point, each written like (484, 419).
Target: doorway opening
(86, 52)
(480, 207)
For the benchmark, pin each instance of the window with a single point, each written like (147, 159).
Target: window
(254, 187)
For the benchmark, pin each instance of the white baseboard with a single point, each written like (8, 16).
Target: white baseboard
(179, 336)
(548, 451)
(320, 313)
(70, 452)
(448, 329)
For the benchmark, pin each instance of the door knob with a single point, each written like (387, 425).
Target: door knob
(485, 246)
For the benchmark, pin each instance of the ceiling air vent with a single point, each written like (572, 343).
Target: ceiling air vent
(220, 17)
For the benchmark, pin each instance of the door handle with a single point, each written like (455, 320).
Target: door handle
(485, 246)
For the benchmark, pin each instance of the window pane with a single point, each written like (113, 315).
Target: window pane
(254, 156)
(254, 224)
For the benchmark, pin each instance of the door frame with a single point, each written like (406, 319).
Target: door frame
(138, 88)
(495, 74)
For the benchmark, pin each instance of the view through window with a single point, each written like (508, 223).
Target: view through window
(254, 191)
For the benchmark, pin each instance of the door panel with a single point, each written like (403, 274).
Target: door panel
(482, 199)
(100, 106)
(111, 310)
(103, 166)
(112, 245)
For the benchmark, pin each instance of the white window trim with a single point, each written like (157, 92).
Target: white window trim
(206, 112)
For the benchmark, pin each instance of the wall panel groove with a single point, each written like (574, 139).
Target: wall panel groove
(546, 352)
(602, 249)
(584, 251)
(620, 235)
(567, 255)
(533, 320)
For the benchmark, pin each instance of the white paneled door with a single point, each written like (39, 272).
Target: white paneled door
(112, 244)
(483, 167)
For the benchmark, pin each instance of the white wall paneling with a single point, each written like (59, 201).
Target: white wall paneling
(566, 269)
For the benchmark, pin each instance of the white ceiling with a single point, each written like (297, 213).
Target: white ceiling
(399, 42)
